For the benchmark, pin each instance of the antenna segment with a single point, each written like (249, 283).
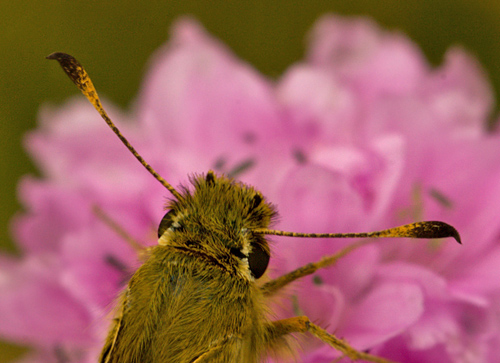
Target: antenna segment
(79, 76)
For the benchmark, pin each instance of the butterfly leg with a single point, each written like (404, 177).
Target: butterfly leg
(208, 355)
(302, 324)
(141, 249)
(118, 229)
(275, 285)
(216, 349)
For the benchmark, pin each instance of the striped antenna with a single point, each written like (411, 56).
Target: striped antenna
(79, 76)
(428, 229)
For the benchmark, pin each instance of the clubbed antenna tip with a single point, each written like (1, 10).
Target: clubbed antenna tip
(431, 229)
(452, 232)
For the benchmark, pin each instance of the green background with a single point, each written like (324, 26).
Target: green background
(115, 39)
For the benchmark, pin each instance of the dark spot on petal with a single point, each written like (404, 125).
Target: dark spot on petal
(61, 355)
(317, 280)
(249, 137)
(220, 163)
(299, 156)
(441, 198)
(116, 263)
(241, 168)
(121, 267)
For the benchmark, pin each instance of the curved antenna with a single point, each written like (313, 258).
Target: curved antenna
(79, 76)
(427, 229)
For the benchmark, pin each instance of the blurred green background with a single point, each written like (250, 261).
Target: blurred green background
(115, 39)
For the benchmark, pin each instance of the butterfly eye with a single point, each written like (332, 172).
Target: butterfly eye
(165, 223)
(258, 260)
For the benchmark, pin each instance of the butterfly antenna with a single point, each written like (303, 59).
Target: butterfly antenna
(79, 76)
(428, 229)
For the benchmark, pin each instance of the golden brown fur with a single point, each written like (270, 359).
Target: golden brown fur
(192, 296)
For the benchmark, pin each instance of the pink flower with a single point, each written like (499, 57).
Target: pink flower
(362, 135)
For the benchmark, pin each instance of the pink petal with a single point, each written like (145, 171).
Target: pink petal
(372, 60)
(317, 105)
(53, 211)
(384, 313)
(35, 308)
(459, 92)
(199, 98)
